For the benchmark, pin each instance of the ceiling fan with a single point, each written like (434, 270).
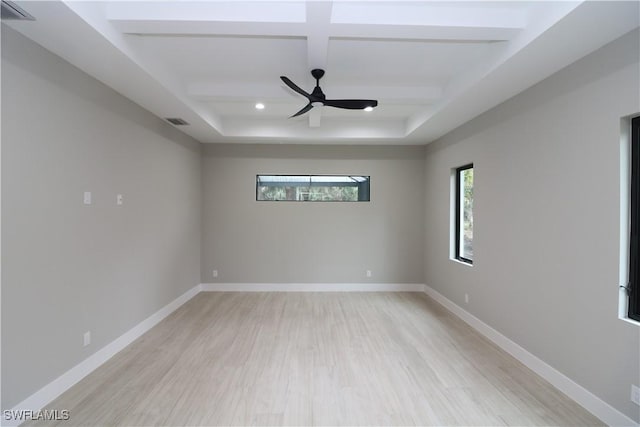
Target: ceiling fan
(318, 99)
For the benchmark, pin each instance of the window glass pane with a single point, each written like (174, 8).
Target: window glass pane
(333, 188)
(281, 187)
(466, 223)
(633, 289)
(329, 188)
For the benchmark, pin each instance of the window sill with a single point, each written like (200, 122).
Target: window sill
(629, 320)
(461, 262)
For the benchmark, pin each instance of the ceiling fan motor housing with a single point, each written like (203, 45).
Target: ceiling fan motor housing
(317, 73)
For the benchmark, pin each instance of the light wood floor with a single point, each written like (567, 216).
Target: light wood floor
(315, 358)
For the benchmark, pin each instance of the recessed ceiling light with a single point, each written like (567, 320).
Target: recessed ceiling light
(369, 108)
(259, 106)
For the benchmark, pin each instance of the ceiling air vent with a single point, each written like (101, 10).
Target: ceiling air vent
(176, 121)
(12, 11)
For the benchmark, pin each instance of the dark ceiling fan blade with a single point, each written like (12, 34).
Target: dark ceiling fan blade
(293, 86)
(351, 104)
(308, 107)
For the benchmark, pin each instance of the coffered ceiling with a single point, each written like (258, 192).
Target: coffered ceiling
(431, 65)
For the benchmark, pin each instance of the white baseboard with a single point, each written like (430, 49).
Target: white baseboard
(55, 388)
(312, 287)
(575, 391)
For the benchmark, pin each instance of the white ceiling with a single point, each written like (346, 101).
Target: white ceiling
(431, 65)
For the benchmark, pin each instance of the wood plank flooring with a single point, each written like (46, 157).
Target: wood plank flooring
(315, 359)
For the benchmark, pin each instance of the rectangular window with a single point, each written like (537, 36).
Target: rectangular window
(464, 214)
(633, 288)
(313, 188)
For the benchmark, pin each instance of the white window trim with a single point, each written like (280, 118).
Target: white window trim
(452, 217)
(625, 225)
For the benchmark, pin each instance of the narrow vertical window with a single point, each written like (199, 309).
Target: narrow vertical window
(464, 213)
(633, 288)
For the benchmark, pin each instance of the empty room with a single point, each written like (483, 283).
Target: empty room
(337, 212)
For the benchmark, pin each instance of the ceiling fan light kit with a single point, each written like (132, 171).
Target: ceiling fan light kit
(317, 98)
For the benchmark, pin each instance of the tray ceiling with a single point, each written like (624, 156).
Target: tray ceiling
(431, 65)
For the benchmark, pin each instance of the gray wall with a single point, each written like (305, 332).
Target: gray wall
(69, 268)
(297, 242)
(547, 213)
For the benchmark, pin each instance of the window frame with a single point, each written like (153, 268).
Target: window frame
(633, 286)
(364, 187)
(458, 214)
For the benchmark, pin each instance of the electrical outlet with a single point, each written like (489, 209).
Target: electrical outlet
(466, 298)
(87, 198)
(119, 200)
(86, 338)
(635, 394)
(368, 273)
(215, 273)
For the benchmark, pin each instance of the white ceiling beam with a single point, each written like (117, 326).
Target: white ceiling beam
(318, 23)
(425, 93)
(202, 28)
(206, 90)
(317, 38)
(424, 32)
(297, 129)
(428, 13)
